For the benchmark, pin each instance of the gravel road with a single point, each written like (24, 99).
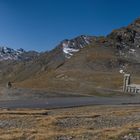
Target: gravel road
(27, 98)
(63, 102)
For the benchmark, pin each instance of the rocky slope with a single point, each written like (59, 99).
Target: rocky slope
(126, 42)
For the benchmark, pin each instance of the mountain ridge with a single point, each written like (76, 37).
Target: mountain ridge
(83, 63)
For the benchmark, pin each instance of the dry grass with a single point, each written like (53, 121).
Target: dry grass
(75, 81)
(85, 70)
(44, 124)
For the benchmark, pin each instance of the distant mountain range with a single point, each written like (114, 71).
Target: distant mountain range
(7, 53)
(80, 64)
(69, 47)
(10, 54)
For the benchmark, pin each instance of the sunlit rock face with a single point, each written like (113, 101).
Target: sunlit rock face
(127, 41)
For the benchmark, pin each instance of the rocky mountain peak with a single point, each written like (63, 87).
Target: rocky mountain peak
(137, 21)
(72, 46)
(127, 41)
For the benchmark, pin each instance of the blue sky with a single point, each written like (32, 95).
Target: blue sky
(41, 24)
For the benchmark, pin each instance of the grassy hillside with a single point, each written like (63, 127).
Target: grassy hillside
(93, 67)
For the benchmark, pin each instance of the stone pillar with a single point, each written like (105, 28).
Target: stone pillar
(128, 89)
(135, 90)
(126, 82)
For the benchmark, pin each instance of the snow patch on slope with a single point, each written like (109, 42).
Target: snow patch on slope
(132, 51)
(70, 47)
(86, 39)
(68, 50)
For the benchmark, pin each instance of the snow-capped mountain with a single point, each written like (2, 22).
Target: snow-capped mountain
(74, 45)
(10, 54)
(64, 51)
